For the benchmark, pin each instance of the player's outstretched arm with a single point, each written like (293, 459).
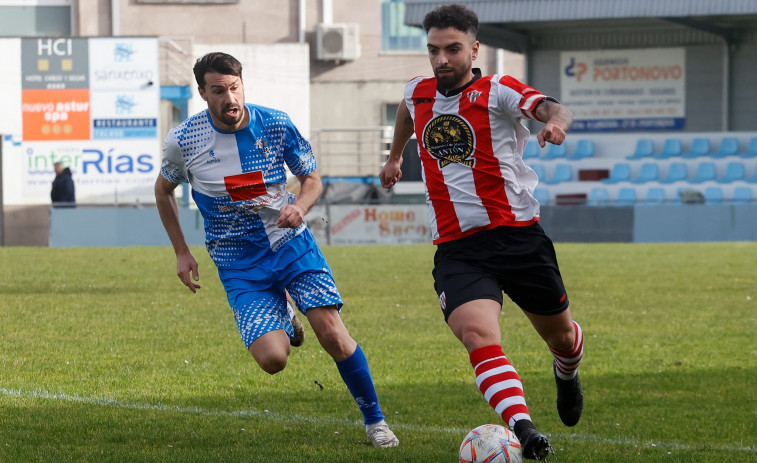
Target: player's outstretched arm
(403, 130)
(292, 215)
(558, 119)
(168, 208)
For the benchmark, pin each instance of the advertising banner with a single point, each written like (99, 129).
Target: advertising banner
(625, 90)
(380, 224)
(125, 88)
(92, 104)
(55, 94)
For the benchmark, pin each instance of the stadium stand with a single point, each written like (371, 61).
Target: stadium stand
(655, 195)
(741, 195)
(584, 149)
(713, 195)
(753, 178)
(626, 197)
(562, 173)
(650, 172)
(598, 196)
(542, 196)
(734, 172)
(620, 172)
(676, 172)
(671, 148)
(729, 146)
(532, 150)
(644, 149)
(700, 147)
(706, 171)
(541, 172)
(556, 152)
(751, 151)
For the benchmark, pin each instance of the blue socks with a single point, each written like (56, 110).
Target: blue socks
(357, 376)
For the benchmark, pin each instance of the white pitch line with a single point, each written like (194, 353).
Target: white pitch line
(265, 414)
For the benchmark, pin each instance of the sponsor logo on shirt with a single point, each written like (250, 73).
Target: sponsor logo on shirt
(449, 139)
(245, 186)
(212, 158)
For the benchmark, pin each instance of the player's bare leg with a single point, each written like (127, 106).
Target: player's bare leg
(353, 367)
(565, 340)
(271, 350)
(476, 325)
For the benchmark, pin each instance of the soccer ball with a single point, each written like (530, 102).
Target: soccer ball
(490, 443)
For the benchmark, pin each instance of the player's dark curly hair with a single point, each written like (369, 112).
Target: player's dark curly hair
(218, 62)
(454, 15)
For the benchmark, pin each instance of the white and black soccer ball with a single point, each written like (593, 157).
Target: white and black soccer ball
(490, 443)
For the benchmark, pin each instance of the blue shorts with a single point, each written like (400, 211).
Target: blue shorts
(257, 295)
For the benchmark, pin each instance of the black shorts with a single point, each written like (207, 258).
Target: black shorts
(520, 261)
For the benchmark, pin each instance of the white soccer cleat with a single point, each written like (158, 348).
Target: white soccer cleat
(380, 435)
(299, 330)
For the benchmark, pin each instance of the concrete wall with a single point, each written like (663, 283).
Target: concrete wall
(83, 227)
(641, 224)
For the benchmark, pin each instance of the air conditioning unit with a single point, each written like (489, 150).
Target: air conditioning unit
(336, 42)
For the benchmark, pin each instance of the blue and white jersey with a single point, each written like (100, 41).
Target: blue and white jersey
(239, 181)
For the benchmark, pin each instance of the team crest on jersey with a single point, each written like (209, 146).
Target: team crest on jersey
(449, 139)
(473, 95)
(263, 146)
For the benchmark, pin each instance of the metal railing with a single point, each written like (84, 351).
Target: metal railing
(351, 152)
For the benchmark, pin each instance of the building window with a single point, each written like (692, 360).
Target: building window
(42, 19)
(395, 35)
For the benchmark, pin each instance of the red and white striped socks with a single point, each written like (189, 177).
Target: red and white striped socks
(499, 383)
(566, 363)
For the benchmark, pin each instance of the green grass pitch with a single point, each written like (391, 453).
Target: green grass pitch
(106, 357)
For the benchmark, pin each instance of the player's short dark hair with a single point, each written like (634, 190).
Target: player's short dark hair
(218, 62)
(454, 15)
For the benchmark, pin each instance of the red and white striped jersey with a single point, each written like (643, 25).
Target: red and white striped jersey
(471, 144)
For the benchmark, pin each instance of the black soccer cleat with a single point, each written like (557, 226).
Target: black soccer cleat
(535, 445)
(570, 399)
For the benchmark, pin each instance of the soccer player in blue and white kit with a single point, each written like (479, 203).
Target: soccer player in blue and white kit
(233, 156)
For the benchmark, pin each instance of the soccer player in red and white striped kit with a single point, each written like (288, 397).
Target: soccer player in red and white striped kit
(484, 218)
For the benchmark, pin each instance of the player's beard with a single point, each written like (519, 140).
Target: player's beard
(451, 80)
(231, 119)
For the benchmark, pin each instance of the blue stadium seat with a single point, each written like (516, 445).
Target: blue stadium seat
(655, 195)
(542, 196)
(734, 171)
(677, 172)
(713, 195)
(650, 172)
(562, 173)
(671, 148)
(598, 197)
(753, 178)
(626, 197)
(541, 172)
(532, 150)
(556, 152)
(620, 172)
(741, 195)
(584, 149)
(706, 171)
(751, 150)
(729, 146)
(644, 149)
(699, 147)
